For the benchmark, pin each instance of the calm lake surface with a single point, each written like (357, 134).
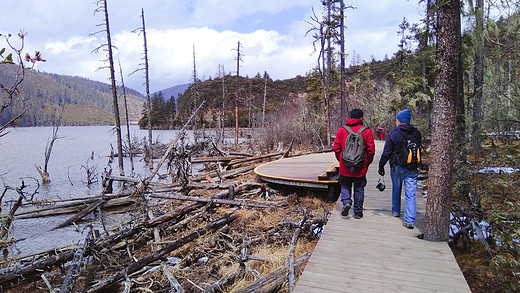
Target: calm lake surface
(24, 147)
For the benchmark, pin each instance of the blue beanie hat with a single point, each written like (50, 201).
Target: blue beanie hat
(404, 116)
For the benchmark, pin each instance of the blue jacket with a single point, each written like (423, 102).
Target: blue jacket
(395, 142)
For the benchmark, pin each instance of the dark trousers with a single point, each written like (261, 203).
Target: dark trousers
(359, 184)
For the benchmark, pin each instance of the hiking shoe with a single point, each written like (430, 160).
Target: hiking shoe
(409, 225)
(345, 210)
(358, 216)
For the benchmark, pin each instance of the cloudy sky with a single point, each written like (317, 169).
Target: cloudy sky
(272, 34)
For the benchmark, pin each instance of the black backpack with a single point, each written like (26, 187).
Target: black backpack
(410, 155)
(353, 154)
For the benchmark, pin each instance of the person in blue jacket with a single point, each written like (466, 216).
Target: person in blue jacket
(400, 172)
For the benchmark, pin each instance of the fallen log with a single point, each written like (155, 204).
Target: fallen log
(79, 198)
(213, 159)
(225, 175)
(9, 275)
(36, 255)
(290, 265)
(196, 205)
(237, 202)
(81, 214)
(125, 179)
(251, 159)
(233, 153)
(77, 259)
(132, 268)
(209, 186)
(73, 207)
(273, 280)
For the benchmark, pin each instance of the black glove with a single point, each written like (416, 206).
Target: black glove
(381, 170)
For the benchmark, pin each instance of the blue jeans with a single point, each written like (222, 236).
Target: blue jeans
(399, 176)
(359, 184)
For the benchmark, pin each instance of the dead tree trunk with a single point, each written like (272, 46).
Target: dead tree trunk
(237, 93)
(73, 271)
(10, 275)
(128, 139)
(104, 8)
(44, 173)
(148, 102)
(194, 94)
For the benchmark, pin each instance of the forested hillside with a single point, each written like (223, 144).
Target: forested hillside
(223, 95)
(84, 102)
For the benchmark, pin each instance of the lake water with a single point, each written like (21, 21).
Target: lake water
(23, 148)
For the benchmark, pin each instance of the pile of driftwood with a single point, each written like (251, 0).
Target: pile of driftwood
(220, 236)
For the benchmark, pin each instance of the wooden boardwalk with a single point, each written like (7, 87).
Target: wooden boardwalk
(317, 171)
(377, 253)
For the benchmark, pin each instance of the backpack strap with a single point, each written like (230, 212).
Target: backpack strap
(349, 130)
(363, 129)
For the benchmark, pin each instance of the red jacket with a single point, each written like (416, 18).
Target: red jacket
(339, 144)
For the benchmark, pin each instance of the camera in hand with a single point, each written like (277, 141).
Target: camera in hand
(381, 186)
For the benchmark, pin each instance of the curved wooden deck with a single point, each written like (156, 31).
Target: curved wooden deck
(317, 171)
(377, 253)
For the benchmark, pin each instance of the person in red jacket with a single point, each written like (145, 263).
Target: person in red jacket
(354, 178)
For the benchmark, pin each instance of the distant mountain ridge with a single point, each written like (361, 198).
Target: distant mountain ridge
(84, 101)
(173, 91)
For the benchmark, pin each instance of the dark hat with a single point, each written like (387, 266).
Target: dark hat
(356, 113)
(404, 116)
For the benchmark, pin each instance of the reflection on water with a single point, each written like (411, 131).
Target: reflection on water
(23, 148)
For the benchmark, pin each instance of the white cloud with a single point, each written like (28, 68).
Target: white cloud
(272, 33)
(72, 44)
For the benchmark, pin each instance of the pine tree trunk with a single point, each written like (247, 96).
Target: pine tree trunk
(343, 102)
(478, 76)
(443, 126)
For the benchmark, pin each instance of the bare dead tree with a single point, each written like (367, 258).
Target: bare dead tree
(145, 67)
(44, 173)
(147, 85)
(10, 92)
(194, 93)
(102, 8)
(91, 172)
(7, 220)
(266, 76)
(129, 141)
(238, 59)
(319, 34)
(221, 114)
